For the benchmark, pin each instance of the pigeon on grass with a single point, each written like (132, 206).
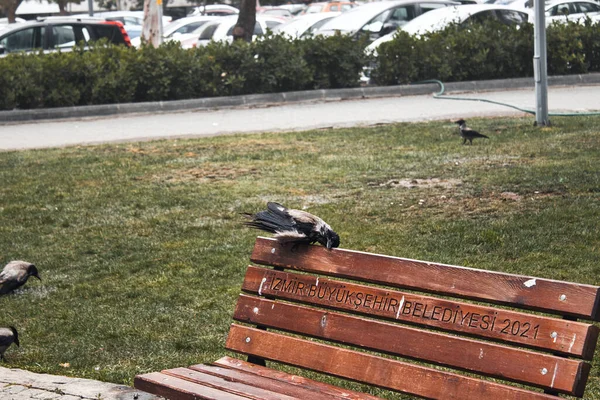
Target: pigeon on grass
(8, 336)
(468, 133)
(15, 274)
(293, 226)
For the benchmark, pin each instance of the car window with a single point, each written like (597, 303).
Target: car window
(106, 31)
(587, 7)
(64, 36)
(403, 14)
(346, 7)
(189, 27)
(560, 9)
(67, 36)
(481, 17)
(208, 32)
(334, 8)
(376, 23)
(431, 6)
(23, 40)
(316, 26)
(510, 17)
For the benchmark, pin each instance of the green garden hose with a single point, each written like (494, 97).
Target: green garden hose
(440, 95)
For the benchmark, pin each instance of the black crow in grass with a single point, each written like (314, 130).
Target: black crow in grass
(293, 226)
(15, 274)
(8, 336)
(468, 133)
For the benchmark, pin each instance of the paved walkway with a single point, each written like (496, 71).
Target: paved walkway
(287, 117)
(17, 384)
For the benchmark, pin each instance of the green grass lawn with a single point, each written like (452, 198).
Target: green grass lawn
(142, 253)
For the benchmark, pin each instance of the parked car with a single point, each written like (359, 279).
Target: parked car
(437, 20)
(331, 6)
(380, 18)
(59, 34)
(304, 25)
(570, 10)
(180, 29)
(222, 29)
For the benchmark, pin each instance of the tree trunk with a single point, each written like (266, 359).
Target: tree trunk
(244, 28)
(10, 8)
(152, 28)
(62, 7)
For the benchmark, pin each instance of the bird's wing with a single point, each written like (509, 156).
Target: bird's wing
(6, 275)
(6, 337)
(473, 133)
(274, 219)
(304, 217)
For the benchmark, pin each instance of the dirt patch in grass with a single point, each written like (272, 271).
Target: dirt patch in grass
(419, 183)
(207, 173)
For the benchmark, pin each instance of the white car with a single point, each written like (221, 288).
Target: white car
(182, 29)
(437, 20)
(571, 10)
(304, 25)
(380, 18)
(221, 29)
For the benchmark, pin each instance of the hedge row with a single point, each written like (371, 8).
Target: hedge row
(490, 51)
(115, 74)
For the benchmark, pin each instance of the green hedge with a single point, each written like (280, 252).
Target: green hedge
(485, 51)
(116, 74)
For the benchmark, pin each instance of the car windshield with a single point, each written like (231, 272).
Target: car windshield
(354, 19)
(186, 27)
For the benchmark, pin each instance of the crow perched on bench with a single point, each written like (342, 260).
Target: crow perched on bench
(293, 226)
(15, 274)
(8, 336)
(468, 133)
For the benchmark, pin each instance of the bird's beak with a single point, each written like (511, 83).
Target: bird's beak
(37, 276)
(17, 343)
(329, 244)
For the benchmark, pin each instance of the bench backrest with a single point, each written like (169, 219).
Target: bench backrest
(370, 302)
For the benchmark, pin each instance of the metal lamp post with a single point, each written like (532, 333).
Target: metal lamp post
(540, 70)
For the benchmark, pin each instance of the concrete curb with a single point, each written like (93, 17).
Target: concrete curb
(19, 384)
(287, 97)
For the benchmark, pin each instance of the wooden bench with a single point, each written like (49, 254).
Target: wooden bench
(370, 302)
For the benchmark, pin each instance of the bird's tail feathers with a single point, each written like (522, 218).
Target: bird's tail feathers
(270, 221)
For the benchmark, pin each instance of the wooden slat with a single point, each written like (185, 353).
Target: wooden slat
(378, 371)
(523, 291)
(561, 374)
(293, 380)
(178, 389)
(306, 391)
(571, 338)
(219, 383)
